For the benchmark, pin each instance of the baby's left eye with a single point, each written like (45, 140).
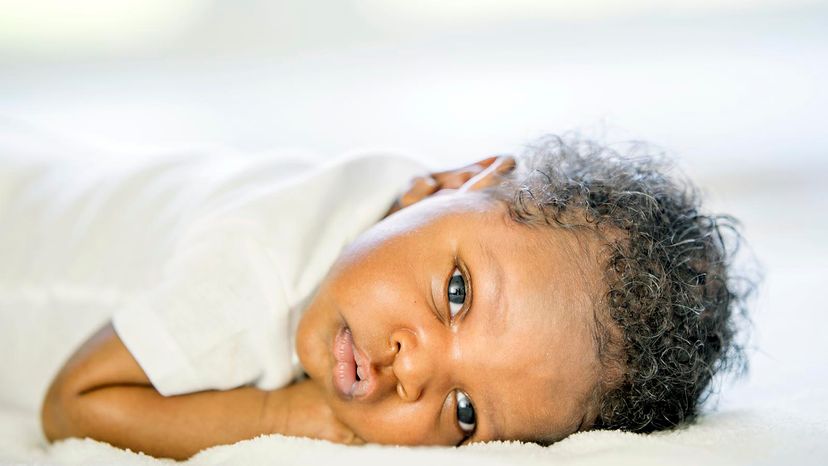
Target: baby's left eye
(456, 292)
(466, 417)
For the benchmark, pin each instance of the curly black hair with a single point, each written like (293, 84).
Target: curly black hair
(668, 320)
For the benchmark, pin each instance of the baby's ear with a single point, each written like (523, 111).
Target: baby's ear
(477, 175)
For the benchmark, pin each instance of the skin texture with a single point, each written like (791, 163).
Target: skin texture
(521, 348)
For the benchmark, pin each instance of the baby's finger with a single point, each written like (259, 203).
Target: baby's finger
(421, 187)
(491, 175)
(457, 177)
(356, 441)
(445, 191)
(341, 434)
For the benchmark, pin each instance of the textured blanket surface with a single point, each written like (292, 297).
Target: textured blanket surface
(790, 434)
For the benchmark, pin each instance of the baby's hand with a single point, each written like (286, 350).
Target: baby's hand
(300, 410)
(478, 175)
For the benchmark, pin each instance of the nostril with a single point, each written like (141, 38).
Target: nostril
(401, 339)
(395, 345)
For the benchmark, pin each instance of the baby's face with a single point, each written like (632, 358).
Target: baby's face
(447, 322)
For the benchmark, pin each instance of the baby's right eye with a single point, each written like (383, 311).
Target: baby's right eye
(456, 292)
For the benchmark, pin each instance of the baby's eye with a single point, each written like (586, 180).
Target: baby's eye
(465, 413)
(456, 292)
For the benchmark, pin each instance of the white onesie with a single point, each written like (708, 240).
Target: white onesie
(230, 298)
(207, 262)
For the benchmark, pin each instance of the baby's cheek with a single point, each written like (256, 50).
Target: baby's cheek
(385, 424)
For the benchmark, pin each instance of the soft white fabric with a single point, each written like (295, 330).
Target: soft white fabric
(787, 432)
(229, 251)
(230, 297)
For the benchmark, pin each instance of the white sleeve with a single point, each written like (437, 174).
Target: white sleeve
(217, 320)
(223, 313)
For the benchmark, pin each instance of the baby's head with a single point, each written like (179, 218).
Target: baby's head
(582, 290)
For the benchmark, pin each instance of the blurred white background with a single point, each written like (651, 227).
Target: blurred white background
(734, 88)
(735, 82)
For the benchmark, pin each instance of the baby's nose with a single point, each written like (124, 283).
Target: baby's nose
(412, 367)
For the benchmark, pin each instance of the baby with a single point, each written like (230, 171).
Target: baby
(570, 289)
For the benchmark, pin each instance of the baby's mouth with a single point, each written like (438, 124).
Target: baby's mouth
(352, 369)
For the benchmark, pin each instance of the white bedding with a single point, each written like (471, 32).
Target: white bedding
(791, 434)
(777, 416)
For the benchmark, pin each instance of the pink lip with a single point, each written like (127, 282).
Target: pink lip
(352, 374)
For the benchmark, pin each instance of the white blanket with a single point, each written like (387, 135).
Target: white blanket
(777, 416)
(791, 434)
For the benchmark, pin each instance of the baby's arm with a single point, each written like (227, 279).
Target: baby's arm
(103, 393)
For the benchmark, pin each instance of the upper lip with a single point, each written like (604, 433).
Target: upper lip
(367, 384)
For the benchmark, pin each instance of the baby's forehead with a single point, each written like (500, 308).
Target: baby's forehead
(542, 353)
(539, 377)
(481, 223)
(554, 265)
